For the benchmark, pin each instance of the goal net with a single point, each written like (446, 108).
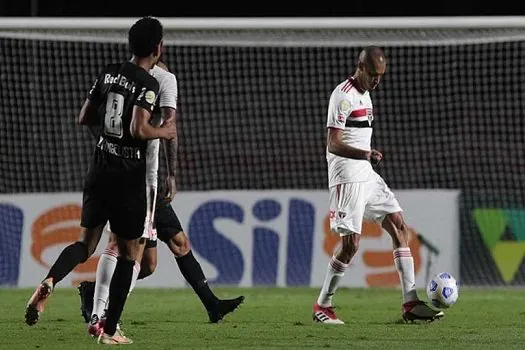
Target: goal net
(252, 110)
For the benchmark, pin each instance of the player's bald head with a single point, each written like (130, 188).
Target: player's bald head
(373, 59)
(371, 66)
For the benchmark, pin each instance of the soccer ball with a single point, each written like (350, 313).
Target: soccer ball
(442, 290)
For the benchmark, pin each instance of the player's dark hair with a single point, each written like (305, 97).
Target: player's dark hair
(144, 36)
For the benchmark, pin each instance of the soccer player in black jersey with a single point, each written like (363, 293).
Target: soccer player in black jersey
(121, 101)
(168, 228)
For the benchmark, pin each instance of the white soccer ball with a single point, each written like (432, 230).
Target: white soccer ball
(442, 290)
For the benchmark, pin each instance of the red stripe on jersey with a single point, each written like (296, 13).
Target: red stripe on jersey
(348, 86)
(359, 113)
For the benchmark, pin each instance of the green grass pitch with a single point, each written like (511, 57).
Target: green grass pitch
(273, 318)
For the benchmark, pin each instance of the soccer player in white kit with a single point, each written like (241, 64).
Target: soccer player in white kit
(357, 191)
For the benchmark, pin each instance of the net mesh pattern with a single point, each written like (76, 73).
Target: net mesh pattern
(449, 113)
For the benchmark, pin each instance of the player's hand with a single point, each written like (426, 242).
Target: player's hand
(171, 185)
(375, 157)
(169, 130)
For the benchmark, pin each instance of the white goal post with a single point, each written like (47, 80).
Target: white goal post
(254, 23)
(286, 31)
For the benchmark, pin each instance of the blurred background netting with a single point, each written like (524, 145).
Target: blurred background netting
(252, 112)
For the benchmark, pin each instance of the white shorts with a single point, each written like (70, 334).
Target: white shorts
(351, 202)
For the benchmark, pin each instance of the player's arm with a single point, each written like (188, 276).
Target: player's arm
(89, 113)
(170, 149)
(140, 127)
(168, 107)
(169, 114)
(336, 146)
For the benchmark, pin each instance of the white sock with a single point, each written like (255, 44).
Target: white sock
(136, 270)
(105, 268)
(334, 273)
(405, 267)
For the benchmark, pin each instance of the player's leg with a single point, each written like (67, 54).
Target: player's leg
(105, 269)
(346, 215)
(90, 304)
(75, 253)
(92, 224)
(128, 212)
(119, 290)
(323, 309)
(148, 264)
(68, 259)
(394, 224)
(170, 231)
(383, 207)
(413, 308)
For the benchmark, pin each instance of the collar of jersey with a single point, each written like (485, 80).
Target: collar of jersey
(355, 84)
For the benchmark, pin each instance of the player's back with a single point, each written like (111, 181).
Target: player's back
(350, 109)
(119, 88)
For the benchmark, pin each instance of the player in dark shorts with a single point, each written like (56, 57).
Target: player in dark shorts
(121, 100)
(169, 230)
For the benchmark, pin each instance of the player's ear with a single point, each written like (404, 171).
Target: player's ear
(158, 49)
(161, 47)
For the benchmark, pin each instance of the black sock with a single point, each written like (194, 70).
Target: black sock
(70, 257)
(192, 272)
(118, 293)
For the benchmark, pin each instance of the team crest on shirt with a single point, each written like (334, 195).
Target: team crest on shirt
(150, 96)
(341, 214)
(370, 116)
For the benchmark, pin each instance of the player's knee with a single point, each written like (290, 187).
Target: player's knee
(90, 245)
(179, 244)
(90, 238)
(87, 249)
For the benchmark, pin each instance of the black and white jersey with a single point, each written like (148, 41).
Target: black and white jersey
(116, 91)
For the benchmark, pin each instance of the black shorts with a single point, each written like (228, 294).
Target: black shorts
(117, 198)
(167, 224)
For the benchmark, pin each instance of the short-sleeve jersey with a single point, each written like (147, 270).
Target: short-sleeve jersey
(350, 109)
(168, 87)
(116, 91)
